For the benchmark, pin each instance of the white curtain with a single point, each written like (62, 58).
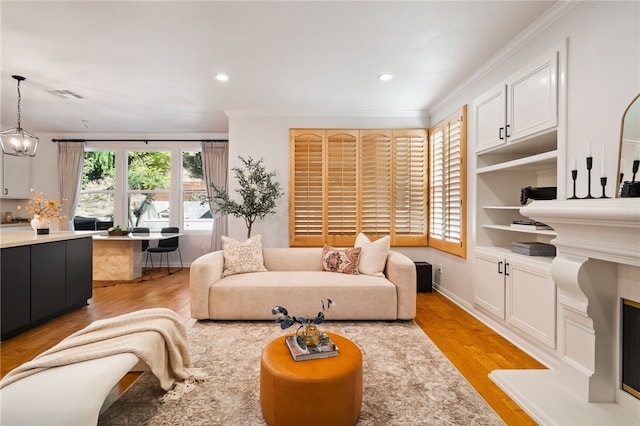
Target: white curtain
(215, 160)
(70, 164)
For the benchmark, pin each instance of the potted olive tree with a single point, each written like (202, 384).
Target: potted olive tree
(258, 192)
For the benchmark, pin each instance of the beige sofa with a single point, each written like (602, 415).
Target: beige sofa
(296, 281)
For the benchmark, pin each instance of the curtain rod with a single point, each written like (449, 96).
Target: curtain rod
(146, 141)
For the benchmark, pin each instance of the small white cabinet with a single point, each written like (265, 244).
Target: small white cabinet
(15, 176)
(526, 104)
(531, 299)
(517, 290)
(491, 114)
(490, 290)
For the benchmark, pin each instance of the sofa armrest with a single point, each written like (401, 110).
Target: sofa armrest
(401, 271)
(204, 271)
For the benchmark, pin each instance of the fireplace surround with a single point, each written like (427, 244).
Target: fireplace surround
(597, 266)
(631, 347)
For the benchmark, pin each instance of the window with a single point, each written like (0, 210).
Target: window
(97, 192)
(134, 186)
(447, 189)
(148, 184)
(195, 212)
(347, 181)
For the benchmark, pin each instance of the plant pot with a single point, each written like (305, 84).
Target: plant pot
(41, 226)
(310, 334)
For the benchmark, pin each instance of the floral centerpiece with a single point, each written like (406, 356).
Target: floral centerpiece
(311, 333)
(43, 210)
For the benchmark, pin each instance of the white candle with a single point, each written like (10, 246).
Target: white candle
(603, 169)
(574, 164)
(622, 166)
(588, 149)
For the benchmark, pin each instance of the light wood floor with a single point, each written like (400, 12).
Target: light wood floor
(471, 346)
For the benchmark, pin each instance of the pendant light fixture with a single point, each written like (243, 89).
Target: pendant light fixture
(17, 141)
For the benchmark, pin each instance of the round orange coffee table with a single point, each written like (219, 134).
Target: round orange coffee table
(324, 391)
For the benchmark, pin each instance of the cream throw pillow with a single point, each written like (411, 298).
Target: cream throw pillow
(373, 256)
(240, 258)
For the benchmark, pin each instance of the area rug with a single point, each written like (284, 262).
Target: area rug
(406, 380)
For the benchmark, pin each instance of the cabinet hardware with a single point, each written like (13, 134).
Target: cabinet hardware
(6, 191)
(500, 136)
(500, 267)
(506, 265)
(507, 132)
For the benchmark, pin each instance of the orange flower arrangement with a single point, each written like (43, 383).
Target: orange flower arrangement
(41, 206)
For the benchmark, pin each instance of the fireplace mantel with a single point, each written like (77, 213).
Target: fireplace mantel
(594, 237)
(607, 229)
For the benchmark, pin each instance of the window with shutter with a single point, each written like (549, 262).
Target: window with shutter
(447, 190)
(306, 190)
(410, 187)
(342, 187)
(371, 181)
(376, 182)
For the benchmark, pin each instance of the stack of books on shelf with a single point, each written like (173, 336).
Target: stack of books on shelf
(530, 225)
(302, 352)
(533, 248)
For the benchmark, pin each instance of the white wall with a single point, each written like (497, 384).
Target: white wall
(603, 77)
(267, 137)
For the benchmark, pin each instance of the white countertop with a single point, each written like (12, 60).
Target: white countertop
(153, 236)
(26, 238)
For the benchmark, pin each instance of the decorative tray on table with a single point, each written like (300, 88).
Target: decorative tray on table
(117, 232)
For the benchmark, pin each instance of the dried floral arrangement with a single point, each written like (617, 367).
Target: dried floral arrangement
(40, 205)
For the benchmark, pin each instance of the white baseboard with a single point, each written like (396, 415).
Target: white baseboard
(540, 355)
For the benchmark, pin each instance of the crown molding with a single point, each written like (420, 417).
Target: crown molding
(280, 113)
(552, 15)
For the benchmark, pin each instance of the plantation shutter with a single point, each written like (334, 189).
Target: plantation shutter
(306, 221)
(454, 190)
(376, 182)
(436, 185)
(448, 184)
(342, 187)
(410, 187)
(343, 182)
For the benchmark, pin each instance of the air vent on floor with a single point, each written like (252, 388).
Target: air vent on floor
(64, 94)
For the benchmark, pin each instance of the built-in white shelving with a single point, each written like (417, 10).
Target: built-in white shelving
(540, 161)
(526, 231)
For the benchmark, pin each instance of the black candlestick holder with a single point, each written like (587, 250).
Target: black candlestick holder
(636, 165)
(589, 167)
(603, 183)
(574, 176)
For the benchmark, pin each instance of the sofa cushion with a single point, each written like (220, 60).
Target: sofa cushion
(340, 260)
(252, 296)
(373, 256)
(244, 257)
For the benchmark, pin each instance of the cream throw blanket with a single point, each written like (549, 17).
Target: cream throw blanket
(156, 336)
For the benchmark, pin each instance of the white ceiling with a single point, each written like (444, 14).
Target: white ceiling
(149, 66)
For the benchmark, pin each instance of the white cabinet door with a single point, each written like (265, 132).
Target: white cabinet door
(490, 112)
(531, 304)
(490, 283)
(532, 99)
(15, 176)
(525, 105)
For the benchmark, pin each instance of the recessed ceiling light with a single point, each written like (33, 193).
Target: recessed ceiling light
(222, 77)
(385, 76)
